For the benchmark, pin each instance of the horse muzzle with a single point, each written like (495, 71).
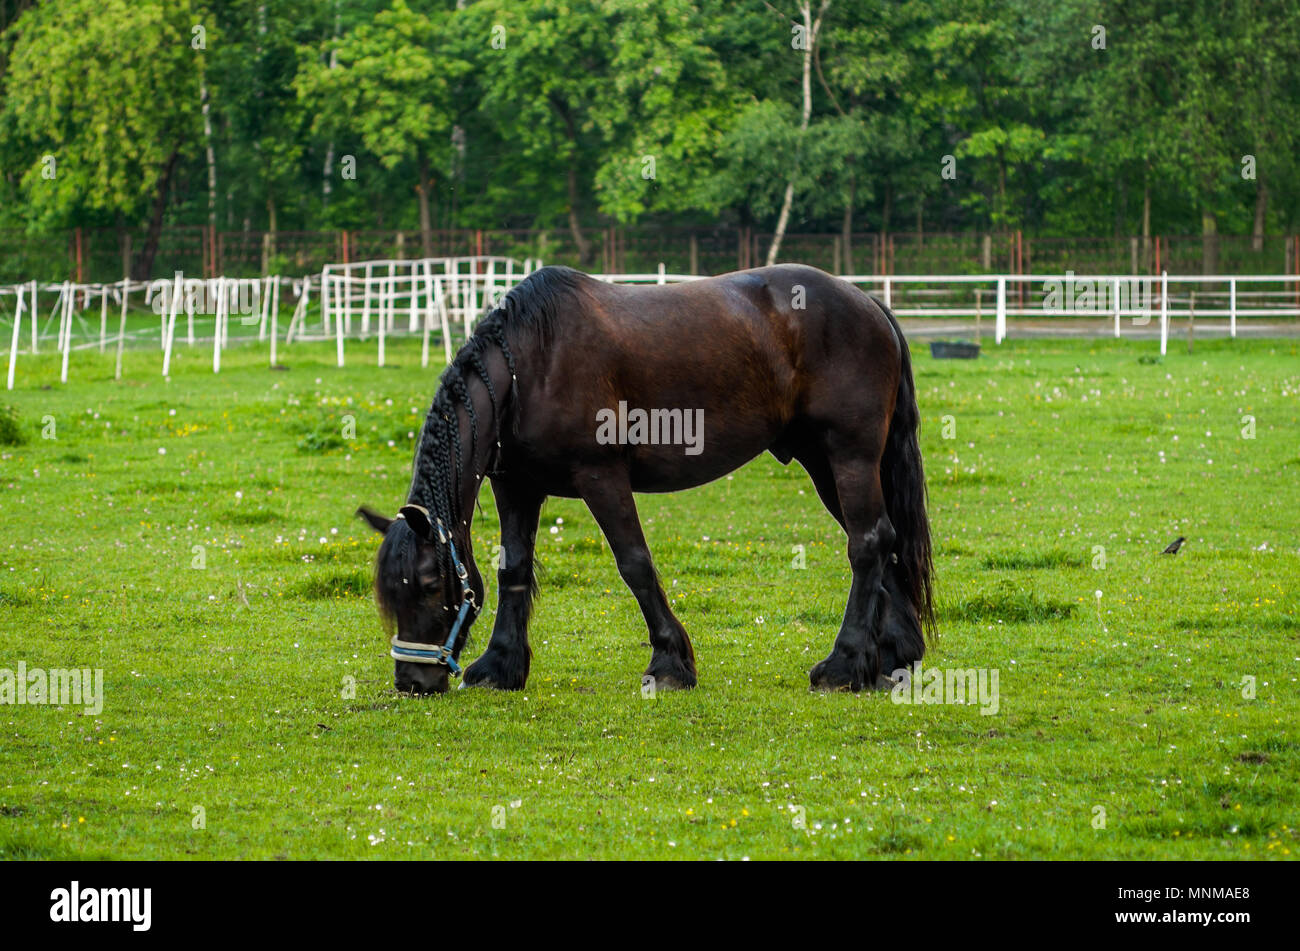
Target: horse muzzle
(421, 680)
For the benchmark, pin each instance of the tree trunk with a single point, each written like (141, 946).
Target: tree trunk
(204, 101)
(575, 226)
(143, 269)
(328, 171)
(124, 244)
(782, 220)
(571, 133)
(846, 228)
(1146, 225)
(1121, 204)
(811, 27)
(422, 190)
(1261, 214)
(1209, 243)
(1000, 212)
(272, 226)
(458, 150)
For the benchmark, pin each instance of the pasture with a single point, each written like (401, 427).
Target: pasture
(194, 538)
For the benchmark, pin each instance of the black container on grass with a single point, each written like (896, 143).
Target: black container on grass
(954, 350)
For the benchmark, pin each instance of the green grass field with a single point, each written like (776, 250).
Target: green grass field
(226, 686)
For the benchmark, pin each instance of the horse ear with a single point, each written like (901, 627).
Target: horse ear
(376, 521)
(418, 518)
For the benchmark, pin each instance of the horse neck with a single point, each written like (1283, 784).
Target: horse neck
(484, 439)
(477, 439)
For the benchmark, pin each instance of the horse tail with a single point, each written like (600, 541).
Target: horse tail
(910, 570)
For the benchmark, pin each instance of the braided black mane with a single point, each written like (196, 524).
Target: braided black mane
(528, 310)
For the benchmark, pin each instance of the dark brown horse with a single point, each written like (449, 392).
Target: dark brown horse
(581, 389)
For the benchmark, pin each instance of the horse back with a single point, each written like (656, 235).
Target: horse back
(754, 354)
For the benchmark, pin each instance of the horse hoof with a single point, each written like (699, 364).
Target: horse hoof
(835, 675)
(826, 687)
(495, 673)
(652, 684)
(668, 674)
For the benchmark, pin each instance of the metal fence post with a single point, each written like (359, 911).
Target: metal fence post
(1115, 291)
(1000, 329)
(1232, 308)
(1164, 312)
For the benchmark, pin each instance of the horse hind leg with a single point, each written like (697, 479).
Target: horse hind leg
(901, 641)
(818, 468)
(855, 661)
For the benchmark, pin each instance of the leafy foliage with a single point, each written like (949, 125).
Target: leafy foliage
(11, 427)
(578, 113)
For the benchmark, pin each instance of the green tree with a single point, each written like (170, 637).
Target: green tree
(393, 92)
(99, 110)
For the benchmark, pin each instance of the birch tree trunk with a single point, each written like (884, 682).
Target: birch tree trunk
(328, 172)
(204, 102)
(811, 28)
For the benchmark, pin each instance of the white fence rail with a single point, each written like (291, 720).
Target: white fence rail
(388, 298)
(1107, 295)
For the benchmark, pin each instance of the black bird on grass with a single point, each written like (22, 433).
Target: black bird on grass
(1174, 545)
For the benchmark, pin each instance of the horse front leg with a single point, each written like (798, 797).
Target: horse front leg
(505, 663)
(608, 495)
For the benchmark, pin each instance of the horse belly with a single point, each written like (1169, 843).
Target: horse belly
(697, 457)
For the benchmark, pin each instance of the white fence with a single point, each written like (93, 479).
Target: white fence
(428, 291)
(407, 297)
(1111, 295)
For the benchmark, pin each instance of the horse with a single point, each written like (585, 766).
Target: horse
(577, 388)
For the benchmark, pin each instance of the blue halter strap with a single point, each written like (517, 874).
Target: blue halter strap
(415, 653)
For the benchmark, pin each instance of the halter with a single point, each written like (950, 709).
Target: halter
(412, 652)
